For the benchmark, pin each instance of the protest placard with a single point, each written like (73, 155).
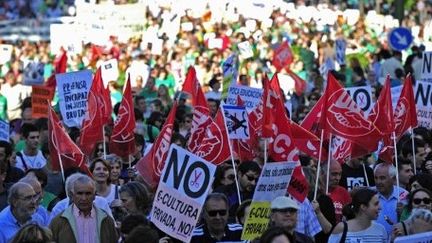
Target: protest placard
(230, 72)
(273, 182)
(362, 96)
(245, 50)
(425, 237)
(41, 95)
(109, 71)
(236, 120)
(250, 96)
(5, 53)
(72, 44)
(73, 89)
(427, 67)
(4, 131)
(183, 188)
(423, 98)
(215, 43)
(34, 73)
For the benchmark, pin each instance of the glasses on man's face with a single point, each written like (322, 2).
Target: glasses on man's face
(213, 213)
(425, 200)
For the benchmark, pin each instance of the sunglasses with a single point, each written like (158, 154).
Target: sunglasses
(230, 177)
(419, 200)
(213, 213)
(252, 178)
(285, 210)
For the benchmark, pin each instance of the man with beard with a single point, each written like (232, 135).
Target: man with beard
(21, 210)
(216, 227)
(247, 176)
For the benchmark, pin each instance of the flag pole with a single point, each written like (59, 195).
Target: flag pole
(397, 165)
(104, 145)
(232, 157)
(265, 150)
(318, 166)
(328, 164)
(413, 150)
(365, 174)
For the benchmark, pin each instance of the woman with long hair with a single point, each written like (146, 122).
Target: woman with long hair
(362, 212)
(101, 171)
(135, 198)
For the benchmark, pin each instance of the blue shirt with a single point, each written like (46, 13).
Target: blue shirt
(388, 207)
(9, 224)
(44, 215)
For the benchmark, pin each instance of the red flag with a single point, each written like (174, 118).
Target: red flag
(122, 140)
(298, 186)
(405, 115)
(60, 143)
(99, 110)
(60, 65)
(299, 84)
(307, 142)
(267, 113)
(151, 165)
(282, 56)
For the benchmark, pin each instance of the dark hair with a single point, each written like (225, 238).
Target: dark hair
(40, 174)
(407, 146)
(105, 163)
(138, 98)
(139, 116)
(423, 179)
(42, 123)
(249, 166)
(27, 128)
(273, 232)
(139, 193)
(219, 175)
(411, 197)
(32, 233)
(131, 221)
(141, 232)
(177, 136)
(360, 196)
(403, 161)
(423, 166)
(240, 213)
(7, 146)
(155, 116)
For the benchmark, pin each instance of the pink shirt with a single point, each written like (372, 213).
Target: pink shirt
(86, 225)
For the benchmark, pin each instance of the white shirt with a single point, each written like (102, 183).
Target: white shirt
(37, 161)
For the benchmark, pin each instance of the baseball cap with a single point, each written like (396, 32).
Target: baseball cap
(284, 202)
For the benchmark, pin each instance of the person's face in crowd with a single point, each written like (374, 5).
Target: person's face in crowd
(383, 181)
(285, 218)
(216, 87)
(32, 141)
(2, 154)
(128, 202)
(162, 91)
(27, 115)
(216, 215)
(228, 177)
(422, 200)
(428, 167)
(83, 196)
(187, 123)
(281, 239)
(12, 159)
(415, 185)
(248, 181)
(373, 208)
(405, 174)
(100, 172)
(139, 81)
(115, 170)
(142, 105)
(99, 150)
(421, 153)
(26, 202)
(213, 108)
(38, 190)
(150, 83)
(335, 174)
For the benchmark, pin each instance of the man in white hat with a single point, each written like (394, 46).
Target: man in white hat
(284, 214)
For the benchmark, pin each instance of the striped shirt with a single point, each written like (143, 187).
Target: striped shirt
(376, 233)
(232, 233)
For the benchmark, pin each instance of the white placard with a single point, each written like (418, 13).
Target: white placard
(237, 122)
(157, 46)
(245, 49)
(363, 97)
(185, 182)
(5, 53)
(416, 238)
(250, 96)
(73, 90)
(422, 96)
(109, 71)
(426, 69)
(72, 44)
(215, 43)
(274, 180)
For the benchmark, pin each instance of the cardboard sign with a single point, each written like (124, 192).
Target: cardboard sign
(423, 98)
(73, 90)
(363, 97)
(5, 53)
(110, 71)
(138, 68)
(183, 188)
(245, 50)
(273, 182)
(250, 96)
(237, 122)
(426, 69)
(416, 238)
(34, 73)
(41, 95)
(4, 131)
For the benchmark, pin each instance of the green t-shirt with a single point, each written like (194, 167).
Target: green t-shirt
(3, 108)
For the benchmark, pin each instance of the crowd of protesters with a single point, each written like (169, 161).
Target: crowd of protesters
(363, 202)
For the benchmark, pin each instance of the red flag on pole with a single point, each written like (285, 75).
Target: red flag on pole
(61, 145)
(405, 115)
(122, 140)
(299, 84)
(151, 165)
(99, 111)
(282, 57)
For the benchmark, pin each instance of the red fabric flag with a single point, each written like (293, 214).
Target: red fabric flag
(307, 142)
(99, 111)
(405, 115)
(151, 165)
(60, 143)
(267, 113)
(60, 65)
(122, 140)
(298, 186)
(282, 56)
(299, 84)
